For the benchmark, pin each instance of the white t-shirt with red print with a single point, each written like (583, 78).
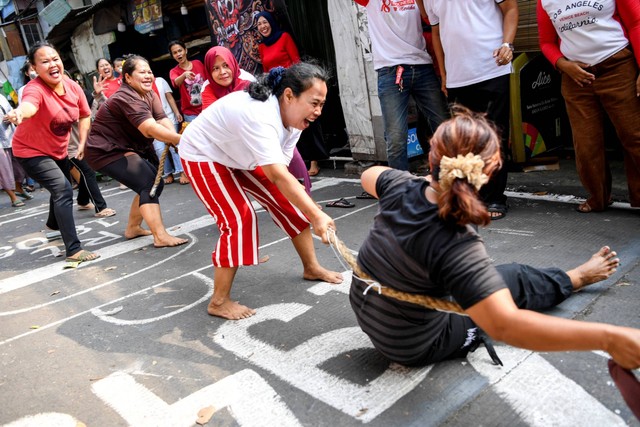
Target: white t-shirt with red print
(395, 29)
(588, 31)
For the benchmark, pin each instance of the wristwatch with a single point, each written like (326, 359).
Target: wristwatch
(509, 45)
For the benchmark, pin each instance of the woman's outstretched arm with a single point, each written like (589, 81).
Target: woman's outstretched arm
(499, 317)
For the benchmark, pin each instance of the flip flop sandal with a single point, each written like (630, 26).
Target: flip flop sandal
(83, 256)
(86, 207)
(26, 195)
(17, 203)
(340, 203)
(584, 208)
(53, 235)
(105, 213)
(365, 195)
(497, 208)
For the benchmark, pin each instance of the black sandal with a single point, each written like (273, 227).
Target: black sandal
(500, 209)
(340, 203)
(365, 195)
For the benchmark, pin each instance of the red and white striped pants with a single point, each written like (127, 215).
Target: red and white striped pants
(224, 192)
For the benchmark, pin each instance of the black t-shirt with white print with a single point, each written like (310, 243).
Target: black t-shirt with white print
(411, 249)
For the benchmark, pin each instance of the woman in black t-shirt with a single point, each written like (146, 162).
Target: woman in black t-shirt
(424, 242)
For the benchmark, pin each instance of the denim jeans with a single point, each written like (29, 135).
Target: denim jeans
(54, 176)
(420, 82)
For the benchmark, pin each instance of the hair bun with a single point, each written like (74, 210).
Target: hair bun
(275, 77)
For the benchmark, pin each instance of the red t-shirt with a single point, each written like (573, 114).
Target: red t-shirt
(110, 86)
(282, 53)
(208, 97)
(190, 90)
(47, 132)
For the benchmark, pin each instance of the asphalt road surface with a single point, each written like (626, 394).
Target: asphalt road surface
(126, 340)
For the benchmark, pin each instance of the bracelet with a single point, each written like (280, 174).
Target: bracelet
(509, 45)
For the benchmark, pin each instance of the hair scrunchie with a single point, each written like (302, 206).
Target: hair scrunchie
(467, 167)
(275, 77)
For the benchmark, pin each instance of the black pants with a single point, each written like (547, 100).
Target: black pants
(435, 336)
(491, 97)
(88, 189)
(531, 288)
(136, 173)
(54, 176)
(311, 143)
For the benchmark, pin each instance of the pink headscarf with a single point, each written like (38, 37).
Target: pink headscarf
(236, 84)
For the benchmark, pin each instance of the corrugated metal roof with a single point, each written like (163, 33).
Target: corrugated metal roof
(61, 33)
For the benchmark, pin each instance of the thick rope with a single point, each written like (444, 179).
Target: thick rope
(156, 183)
(422, 300)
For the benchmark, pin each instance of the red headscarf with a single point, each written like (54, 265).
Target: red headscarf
(236, 84)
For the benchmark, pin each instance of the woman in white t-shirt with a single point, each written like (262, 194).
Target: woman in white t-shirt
(240, 146)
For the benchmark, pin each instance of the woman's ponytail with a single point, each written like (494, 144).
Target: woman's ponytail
(266, 84)
(465, 151)
(299, 77)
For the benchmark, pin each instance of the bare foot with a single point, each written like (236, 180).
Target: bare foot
(314, 169)
(322, 274)
(169, 241)
(600, 266)
(132, 233)
(231, 310)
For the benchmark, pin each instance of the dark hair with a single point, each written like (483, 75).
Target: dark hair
(299, 77)
(176, 42)
(37, 46)
(102, 59)
(466, 132)
(119, 58)
(130, 63)
(25, 68)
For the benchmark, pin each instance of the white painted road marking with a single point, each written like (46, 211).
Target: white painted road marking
(47, 272)
(250, 399)
(539, 393)
(300, 365)
(109, 318)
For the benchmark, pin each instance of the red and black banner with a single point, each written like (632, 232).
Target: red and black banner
(233, 25)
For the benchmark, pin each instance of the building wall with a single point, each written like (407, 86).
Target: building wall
(87, 47)
(358, 81)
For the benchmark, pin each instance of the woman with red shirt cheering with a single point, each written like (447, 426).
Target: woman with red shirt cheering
(51, 104)
(189, 76)
(106, 83)
(277, 48)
